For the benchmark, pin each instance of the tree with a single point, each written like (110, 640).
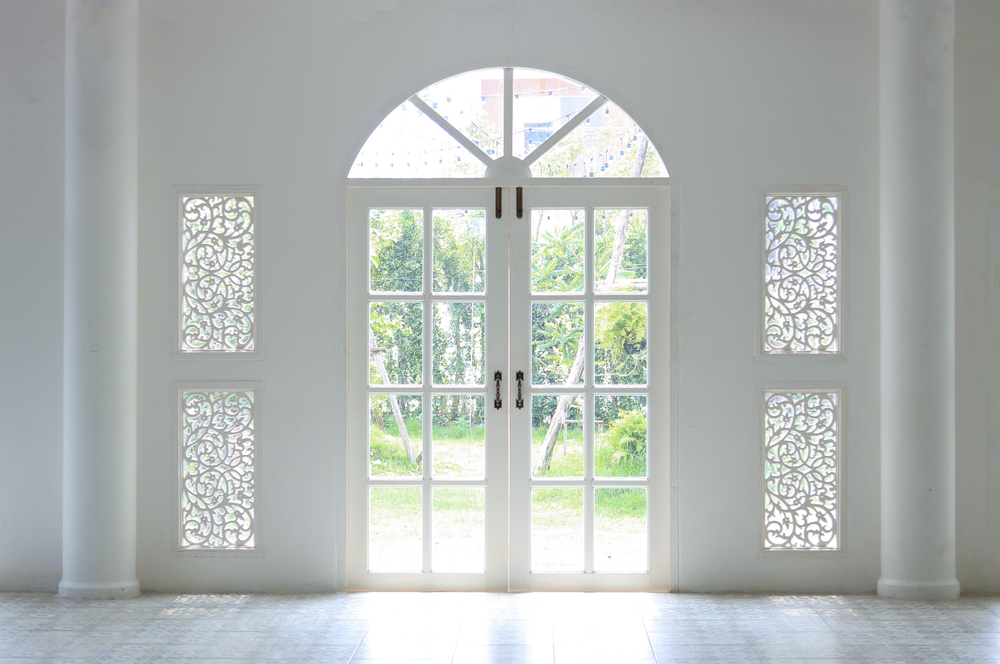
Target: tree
(576, 370)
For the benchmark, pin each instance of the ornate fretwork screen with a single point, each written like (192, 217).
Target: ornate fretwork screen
(801, 274)
(217, 274)
(217, 470)
(801, 470)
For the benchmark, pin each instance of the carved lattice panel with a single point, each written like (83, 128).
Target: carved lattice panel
(217, 274)
(801, 468)
(801, 279)
(217, 466)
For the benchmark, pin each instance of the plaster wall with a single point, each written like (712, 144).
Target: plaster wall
(31, 311)
(977, 302)
(736, 96)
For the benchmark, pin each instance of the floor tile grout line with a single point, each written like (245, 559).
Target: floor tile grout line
(360, 641)
(649, 640)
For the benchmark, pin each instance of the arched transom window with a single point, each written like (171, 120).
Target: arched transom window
(508, 122)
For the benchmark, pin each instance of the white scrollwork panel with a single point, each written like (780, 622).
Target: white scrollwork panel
(801, 447)
(217, 493)
(217, 273)
(801, 280)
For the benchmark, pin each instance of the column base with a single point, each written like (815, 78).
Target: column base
(121, 590)
(926, 590)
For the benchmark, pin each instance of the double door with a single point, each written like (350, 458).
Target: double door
(508, 368)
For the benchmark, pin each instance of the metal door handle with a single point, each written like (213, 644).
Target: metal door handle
(520, 402)
(498, 402)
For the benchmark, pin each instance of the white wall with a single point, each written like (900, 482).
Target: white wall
(977, 302)
(735, 95)
(31, 274)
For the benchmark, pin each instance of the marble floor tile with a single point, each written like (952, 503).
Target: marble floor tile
(490, 627)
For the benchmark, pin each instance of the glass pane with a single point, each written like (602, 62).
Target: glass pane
(395, 438)
(408, 144)
(458, 520)
(557, 436)
(557, 251)
(459, 343)
(620, 435)
(620, 347)
(459, 251)
(396, 248)
(557, 530)
(557, 357)
(394, 529)
(619, 530)
(459, 436)
(609, 144)
(544, 102)
(473, 103)
(620, 248)
(396, 337)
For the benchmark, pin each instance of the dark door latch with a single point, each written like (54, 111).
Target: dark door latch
(498, 402)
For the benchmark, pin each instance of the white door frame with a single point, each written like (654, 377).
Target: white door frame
(508, 482)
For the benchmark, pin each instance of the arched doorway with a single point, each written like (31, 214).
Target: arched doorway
(508, 348)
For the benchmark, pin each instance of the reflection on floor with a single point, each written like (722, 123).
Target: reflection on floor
(522, 628)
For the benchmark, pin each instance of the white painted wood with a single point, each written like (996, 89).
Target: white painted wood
(508, 112)
(656, 201)
(508, 316)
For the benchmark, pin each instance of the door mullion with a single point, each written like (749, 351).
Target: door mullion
(520, 420)
(497, 448)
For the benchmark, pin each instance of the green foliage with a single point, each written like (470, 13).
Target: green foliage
(634, 256)
(620, 327)
(396, 250)
(618, 502)
(628, 434)
(387, 456)
(621, 451)
(557, 257)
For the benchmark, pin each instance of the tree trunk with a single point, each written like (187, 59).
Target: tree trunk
(562, 406)
(400, 422)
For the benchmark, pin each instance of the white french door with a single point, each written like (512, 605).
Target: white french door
(508, 368)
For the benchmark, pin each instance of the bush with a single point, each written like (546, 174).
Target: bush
(621, 452)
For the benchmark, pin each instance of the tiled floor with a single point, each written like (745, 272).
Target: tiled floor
(522, 628)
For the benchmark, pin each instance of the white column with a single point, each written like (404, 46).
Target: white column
(99, 347)
(917, 193)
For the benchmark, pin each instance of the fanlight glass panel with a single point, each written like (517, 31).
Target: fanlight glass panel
(473, 103)
(409, 143)
(544, 102)
(608, 144)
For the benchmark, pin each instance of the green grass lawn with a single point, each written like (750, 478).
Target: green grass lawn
(459, 514)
